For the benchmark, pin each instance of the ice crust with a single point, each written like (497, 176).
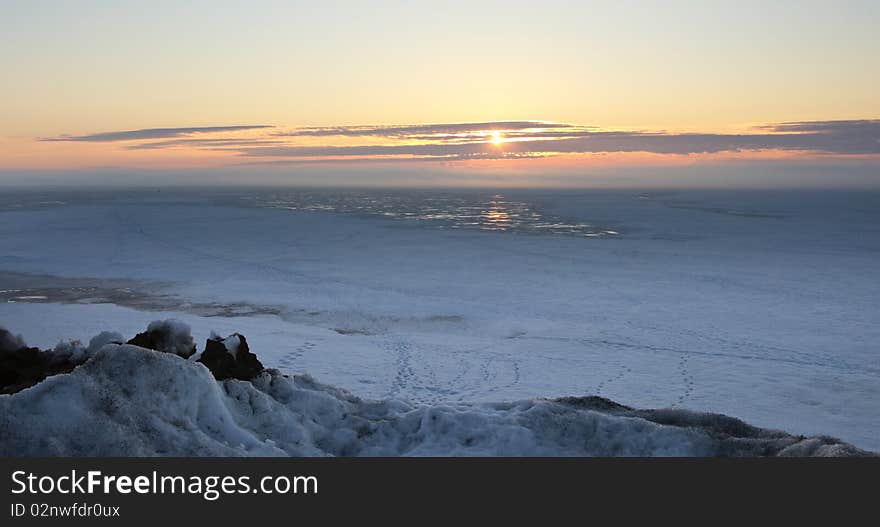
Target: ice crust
(130, 401)
(762, 305)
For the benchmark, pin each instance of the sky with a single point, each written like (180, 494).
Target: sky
(484, 93)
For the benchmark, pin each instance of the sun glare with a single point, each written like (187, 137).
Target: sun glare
(497, 138)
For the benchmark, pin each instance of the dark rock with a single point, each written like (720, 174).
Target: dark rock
(237, 363)
(148, 339)
(22, 366)
(592, 402)
(10, 342)
(169, 336)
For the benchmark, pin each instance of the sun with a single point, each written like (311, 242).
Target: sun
(497, 138)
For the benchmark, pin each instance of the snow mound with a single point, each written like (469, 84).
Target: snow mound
(131, 401)
(105, 337)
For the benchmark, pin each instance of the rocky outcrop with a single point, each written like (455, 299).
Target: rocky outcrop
(230, 358)
(22, 366)
(169, 336)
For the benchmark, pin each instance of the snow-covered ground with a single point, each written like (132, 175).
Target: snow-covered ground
(760, 306)
(131, 401)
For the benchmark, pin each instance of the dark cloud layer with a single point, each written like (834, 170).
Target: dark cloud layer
(827, 137)
(861, 125)
(422, 129)
(151, 133)
(520, 139)
(225, 142)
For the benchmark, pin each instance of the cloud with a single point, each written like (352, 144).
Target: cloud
(214, 143)
(839, 137)
(416, 129)
(390, 159)
(520, 139)
(151, 133)
(529, 138)
(838, 127)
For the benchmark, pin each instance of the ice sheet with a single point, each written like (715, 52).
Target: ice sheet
(760, 307)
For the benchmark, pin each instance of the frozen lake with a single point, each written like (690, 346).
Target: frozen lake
(760, 305)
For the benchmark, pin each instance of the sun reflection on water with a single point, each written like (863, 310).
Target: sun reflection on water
(496, 218)
(495, 213)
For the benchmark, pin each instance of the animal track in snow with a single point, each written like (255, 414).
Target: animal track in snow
(290, 359)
